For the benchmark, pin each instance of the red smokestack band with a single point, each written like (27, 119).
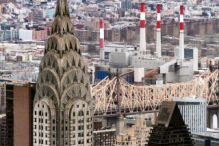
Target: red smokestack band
(181, 26)
(158, 24)
(142, 23)
(142, 8)
(181, 10)
(101, 43)
(101, 23)
(101, 33)
(158, 8)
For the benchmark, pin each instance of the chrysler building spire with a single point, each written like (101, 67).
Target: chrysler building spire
(62, 114)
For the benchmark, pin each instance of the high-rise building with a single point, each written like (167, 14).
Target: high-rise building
(170, 129)
(193, 111)
(62, 105)
(136, 135)
(19, 109)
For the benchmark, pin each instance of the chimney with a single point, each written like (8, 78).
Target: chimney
(181, 35)
(102, 40)
(158, 41)
(142, 28)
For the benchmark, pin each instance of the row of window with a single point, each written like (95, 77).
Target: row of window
(40, 113)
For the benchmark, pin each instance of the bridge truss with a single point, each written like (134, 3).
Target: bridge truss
(117, 95)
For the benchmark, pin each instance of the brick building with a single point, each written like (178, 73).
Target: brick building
(19, 111)
(83, 35)
(40, 33)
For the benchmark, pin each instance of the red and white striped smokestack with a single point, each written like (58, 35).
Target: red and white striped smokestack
(181, 34)
(102, 39)
(158, 42)
(142, 28)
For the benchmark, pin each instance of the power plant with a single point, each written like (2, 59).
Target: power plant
(148, 68)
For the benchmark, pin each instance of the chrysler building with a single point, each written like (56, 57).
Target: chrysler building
(62, 114)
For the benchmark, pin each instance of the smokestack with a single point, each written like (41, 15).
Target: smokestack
(142, 28)
(181, 35)
(158, 42)
(101, 39)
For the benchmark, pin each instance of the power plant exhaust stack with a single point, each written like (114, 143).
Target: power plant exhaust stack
(179, 51)
(158, 42)
(142, 28)
(102, 57)
(181, 35)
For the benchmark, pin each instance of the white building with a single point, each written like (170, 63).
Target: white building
(193, 111)
(25, 35)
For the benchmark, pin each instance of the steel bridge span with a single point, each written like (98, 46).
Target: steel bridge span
(116, 96)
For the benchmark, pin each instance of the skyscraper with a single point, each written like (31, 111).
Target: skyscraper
(62, 113)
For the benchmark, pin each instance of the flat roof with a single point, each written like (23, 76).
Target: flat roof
(189, 99)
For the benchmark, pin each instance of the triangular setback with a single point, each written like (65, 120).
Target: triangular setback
(170, 129)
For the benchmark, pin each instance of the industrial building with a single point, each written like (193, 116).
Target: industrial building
(193, 111)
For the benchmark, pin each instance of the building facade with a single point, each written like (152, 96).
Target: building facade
(19, 108)
(2, 129)
(3, 95)
(62, 113)
(137, 135)
(170, 129)
(193, 112)
(104, 136)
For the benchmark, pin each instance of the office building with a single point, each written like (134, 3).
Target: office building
(62, 105)
(170, 129)
(193, 111)
(19, 108)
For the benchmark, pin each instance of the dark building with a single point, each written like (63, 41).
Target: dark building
(9, 115)
(170, 129)
(36, 15)
(19, 109)
(2, 129)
